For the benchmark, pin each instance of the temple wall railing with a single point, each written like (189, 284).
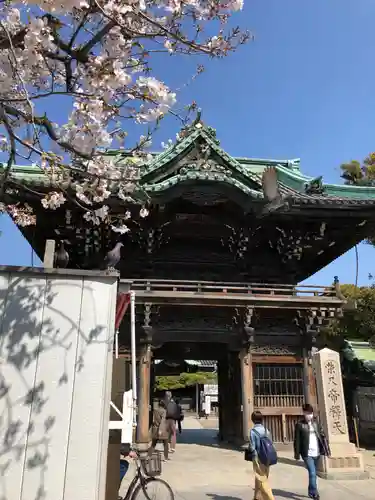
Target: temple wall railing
(223, 294)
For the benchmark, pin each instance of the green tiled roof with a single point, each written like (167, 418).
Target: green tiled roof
(164, 172)
(364, 352)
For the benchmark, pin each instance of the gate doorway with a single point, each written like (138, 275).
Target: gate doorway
(279, 395)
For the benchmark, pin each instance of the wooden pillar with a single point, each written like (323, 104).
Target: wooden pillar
(235, 398)
(143, 423)
(306, 375)
(246, 390)
(312, 387)
(224, 394)
(220, 397)
(232, 391)
(152, 389)
(251, 388)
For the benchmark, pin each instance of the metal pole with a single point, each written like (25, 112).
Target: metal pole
(116, 344)
(197, 398)
(133, 352)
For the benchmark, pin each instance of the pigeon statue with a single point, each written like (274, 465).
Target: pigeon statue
(61, 257)
(338, 291)
(349, 303)
(271, 191)
(113, 257)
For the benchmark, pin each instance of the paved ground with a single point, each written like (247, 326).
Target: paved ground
(200, 470)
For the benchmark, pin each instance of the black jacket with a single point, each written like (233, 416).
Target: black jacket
(173, 410)
(302, 438)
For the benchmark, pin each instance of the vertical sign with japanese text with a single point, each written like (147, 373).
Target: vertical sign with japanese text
(335, 403)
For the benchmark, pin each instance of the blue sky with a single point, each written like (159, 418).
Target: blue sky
(303, 89)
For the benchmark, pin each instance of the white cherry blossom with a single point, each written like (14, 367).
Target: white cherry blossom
(93, 59)
(122, 229)
(53, 200)
(143, 212)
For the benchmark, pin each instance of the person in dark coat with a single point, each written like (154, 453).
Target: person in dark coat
(173, 415)
(159, 428)
(310, 444)
(181, 417)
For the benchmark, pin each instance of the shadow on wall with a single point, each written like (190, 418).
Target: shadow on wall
(43, 345)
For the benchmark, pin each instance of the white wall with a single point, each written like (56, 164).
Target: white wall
(56, 338)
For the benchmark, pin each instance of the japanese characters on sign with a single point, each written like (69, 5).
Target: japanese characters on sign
(335, 399)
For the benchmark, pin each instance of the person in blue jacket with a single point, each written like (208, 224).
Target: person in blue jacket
(262, 489)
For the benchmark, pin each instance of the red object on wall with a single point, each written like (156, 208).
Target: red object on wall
(123, 301)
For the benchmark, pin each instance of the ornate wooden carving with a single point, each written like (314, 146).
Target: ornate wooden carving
(150, 239)
(200, 159)
(193, 319)
(147, 315)
(274, 350)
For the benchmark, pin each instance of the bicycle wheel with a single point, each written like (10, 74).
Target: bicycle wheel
(153, 488)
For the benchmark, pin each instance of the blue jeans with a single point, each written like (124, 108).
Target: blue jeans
(311, 465)
(124, 466)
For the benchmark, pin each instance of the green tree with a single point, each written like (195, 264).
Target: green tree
(359, 323)
(170, 382)
(359, 174)
(355, 173)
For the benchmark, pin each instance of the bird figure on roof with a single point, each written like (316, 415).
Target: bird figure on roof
(112, 257)
(61, 257)
(271, 191)
(197, 119)
(349, 303)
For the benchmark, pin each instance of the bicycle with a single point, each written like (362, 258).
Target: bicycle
(146, 477)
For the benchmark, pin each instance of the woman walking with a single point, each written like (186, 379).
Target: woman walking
(310, 443)
(159, 429)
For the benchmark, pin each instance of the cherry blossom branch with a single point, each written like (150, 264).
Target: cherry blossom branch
(12, 152)
(98, 54)
(44, 122)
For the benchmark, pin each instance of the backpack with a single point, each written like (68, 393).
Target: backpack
(266, 453)
(173, 411)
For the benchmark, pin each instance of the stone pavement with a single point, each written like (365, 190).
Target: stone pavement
(201, 470)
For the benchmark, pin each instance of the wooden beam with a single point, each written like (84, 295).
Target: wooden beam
(277, 359)
(286, 410)
(237, 300)
(49, 254)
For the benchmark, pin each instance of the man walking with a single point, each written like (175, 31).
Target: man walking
(310, 443)
(263, 455)
(173, 414)
(179, 421)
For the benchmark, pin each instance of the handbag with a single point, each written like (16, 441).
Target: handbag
(248, 455)
(325, 445)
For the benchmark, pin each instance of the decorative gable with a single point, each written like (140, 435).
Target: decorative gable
(198, 156)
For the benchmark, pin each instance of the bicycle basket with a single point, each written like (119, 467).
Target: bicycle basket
(152, 464)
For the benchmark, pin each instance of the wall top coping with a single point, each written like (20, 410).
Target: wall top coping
(64, 272)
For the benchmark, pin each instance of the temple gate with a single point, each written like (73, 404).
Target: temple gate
(215, 267)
